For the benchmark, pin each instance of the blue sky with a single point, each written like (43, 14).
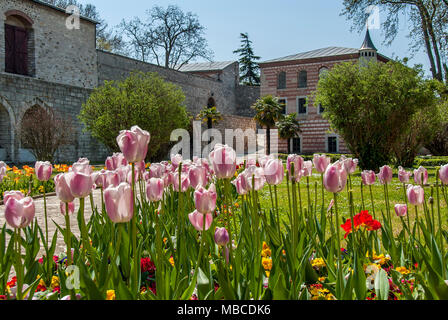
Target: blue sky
(277, 27)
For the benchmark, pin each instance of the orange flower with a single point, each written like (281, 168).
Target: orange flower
(362, 219)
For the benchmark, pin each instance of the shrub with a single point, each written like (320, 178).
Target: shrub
(143, 99)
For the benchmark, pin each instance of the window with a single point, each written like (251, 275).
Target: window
(283, 103)
(16, 50)
(281, 81)
(301, 105)
(323, 72)
(303, 79)
(332, 144)
(320, 108)
(296, 145)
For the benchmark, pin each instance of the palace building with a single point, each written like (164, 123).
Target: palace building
(293, 79)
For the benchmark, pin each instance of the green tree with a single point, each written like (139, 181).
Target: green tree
(249, 69)
(288, 128)
(143, 99)
(268, 111)
(372, 107)
(210, 115)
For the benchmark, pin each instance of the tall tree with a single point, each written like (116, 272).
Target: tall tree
(428, 19)
(268, 111)
(107, 38)
(288, 127)
(170, 37)
(249, 69)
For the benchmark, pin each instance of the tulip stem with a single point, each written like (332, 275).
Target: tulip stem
(19, 271)
(438, 210)
(68, 235)
(373, 203)
(45, 213)
(85, 235)
(278, 215)
(134, 234)
(339, 281)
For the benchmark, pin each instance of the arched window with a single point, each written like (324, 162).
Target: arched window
(211, 103)
(19, 43)
(323, 72)
(281, 80)
(303, 79)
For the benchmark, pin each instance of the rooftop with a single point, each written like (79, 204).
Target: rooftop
(61, 10)
(206, 66)
(318, 53)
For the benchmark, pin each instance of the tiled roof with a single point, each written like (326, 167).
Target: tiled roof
(62, 10)
(206, 66)
(319, 53)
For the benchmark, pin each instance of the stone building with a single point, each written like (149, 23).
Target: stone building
(43, 63)
(293, 79)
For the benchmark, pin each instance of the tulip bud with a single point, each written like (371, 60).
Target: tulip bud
(349, 164)
(71, 208)
(221, 236)
(205, 200)
(19, 213)
(115, 161)
(368, 177)
(443, 174)
(307, 170)
(418, 173)
(416, 195)
(298, 166)
(401, 210)
(403, 175)
(18, 195)
(223, 159)
(43, 170)
(240, 185)
(197, 176)
(81, 184)
(154, 189)
(197, 220)
(321, 162)
(185, 182)
(62, 188)
(274, 171)
(3, 170)
(134, 144)
(254, 178)
(119, 203)
(385, 175)
(335, 177)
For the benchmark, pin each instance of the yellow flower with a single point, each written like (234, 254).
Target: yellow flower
(41, 189)
(54, 282)
(171, 261)
(322, 279)
(268, 273)
(267, 263)
(110, 295)
(318, 263)
(403, 270)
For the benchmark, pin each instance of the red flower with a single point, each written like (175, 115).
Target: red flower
(362, 219)
(12, 283)
(2, 297)
(147, 265)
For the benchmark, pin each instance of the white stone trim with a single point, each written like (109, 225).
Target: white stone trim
(331, 135)
(12, 119)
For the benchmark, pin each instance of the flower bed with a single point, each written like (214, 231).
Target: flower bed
(200, 230)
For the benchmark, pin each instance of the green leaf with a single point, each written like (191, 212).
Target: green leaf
(382, 285)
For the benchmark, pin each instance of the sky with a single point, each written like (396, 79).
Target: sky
(277, 28)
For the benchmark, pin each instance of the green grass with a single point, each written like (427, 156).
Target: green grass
(396, 195)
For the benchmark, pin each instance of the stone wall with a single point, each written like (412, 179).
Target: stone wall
(19, 93)
(240, 126)
(57, 54)
(246, 96)
(196, 89)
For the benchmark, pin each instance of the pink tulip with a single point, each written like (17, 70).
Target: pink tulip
(404, 175)
(129, 175)
(263, 160)
(81, 184)
(18, 195)
(119, 203)
(134, 143)
(274, 172)
(43, 170)
(71, 208)
(221, 236)
(240, 185)
(99, 178)
(82, 166)
(443, 174)
(3, 170)
(335, 177)
(368, 177)
(19, 213)
(140, 167)
(111, 178)
(157, 170)
(321, 162)
(185, 182)
(154, 189)
(176, 159)
(254, 178)
(205, 200)
(197, 220)
(401, 210)
(62, 188)
(385, 175)
(416, 195)
(115, 161)
(223, 159)
(298, 166)
(418, 173)
(197, 176)
(307, 170)
(349, 164)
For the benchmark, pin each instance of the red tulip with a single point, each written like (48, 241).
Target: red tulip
(154, 189)
(19, 213)
(43, 170)
(119, 203)
(197, 220)
(134, 144)
(205, 200)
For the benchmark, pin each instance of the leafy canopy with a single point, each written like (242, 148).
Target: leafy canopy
(143, 99)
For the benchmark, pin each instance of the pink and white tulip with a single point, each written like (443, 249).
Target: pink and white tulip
(154, 189)
(321, 162)
(71, 208)
(385, 175)
(43, 170)
(335, 177)
(119, 203)
(298, 166)
(416, 195)
(19, 213)
(404, 175)
(115, 161)
(223, 160)
(368, 177)
(274, 171)
(134, 144)
(205, 200)
(419, 173)
(197, 220)
(401, 210)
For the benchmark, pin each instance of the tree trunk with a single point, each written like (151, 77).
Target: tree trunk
(428, 43)
(289, 145)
